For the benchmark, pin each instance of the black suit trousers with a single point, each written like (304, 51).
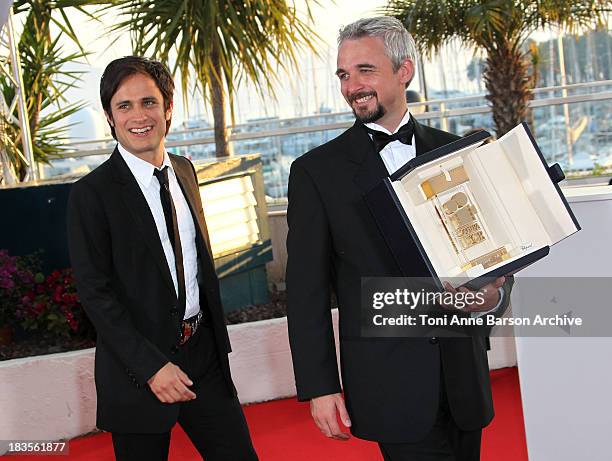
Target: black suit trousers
(445, 442)
(213, 421)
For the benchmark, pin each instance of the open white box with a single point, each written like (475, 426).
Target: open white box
(477, 210)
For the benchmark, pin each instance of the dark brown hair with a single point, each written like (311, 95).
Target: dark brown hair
(119, 69)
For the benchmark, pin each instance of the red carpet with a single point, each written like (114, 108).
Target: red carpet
(283, 431)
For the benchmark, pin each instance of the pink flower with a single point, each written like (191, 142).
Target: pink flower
(6, 283)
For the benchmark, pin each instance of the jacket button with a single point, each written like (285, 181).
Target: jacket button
(433, 340)
(174, 349)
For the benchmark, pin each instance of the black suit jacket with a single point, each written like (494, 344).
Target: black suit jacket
(125, 286)
(391, 385)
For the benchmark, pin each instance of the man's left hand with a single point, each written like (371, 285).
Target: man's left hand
(489, 297)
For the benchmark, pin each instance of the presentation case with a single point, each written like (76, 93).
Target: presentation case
(475, 210)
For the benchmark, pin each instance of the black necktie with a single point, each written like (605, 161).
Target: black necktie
(403, 135)
(173, 230)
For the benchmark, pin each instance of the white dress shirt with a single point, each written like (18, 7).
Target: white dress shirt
(395, 155)
(149, 185)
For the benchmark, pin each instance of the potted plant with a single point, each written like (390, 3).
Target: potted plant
(52, 308)
(15, 277)
(42, 309)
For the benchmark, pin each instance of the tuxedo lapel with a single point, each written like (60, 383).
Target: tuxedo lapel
(141, 214)
(424, 141)
(371, 169)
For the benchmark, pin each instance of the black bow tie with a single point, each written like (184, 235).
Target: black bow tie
(403, 135)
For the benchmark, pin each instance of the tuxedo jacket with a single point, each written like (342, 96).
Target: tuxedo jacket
(125, 286)
(391, 385)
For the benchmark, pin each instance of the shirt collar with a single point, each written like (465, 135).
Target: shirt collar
(141, 169)
(375, 126)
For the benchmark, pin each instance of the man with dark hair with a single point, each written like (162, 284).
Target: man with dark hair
(120, 69)
(420, 398)
(145, 275)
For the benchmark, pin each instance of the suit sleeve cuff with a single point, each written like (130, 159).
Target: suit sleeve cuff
(475, 315)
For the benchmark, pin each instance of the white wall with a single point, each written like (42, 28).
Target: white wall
(566, 382)
(47, 397)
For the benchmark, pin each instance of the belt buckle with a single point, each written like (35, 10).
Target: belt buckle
(189, 328)
(186, 332)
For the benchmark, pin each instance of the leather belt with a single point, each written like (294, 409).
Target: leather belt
(190, 326)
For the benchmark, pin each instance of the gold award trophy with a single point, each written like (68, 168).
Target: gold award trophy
(458, 213)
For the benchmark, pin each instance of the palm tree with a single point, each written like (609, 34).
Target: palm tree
(45, 79)
(221, 41)
(500, 28)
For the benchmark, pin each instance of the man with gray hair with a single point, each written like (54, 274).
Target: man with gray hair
(419, 398)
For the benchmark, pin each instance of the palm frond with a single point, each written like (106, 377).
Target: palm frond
(219, 42)
(500, 28)
(45, 76)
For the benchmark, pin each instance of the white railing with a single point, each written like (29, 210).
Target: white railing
(443, 114)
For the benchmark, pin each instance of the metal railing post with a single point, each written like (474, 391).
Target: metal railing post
(568, 127)
(443, 119)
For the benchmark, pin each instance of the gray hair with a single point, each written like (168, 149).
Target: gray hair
(398, 42)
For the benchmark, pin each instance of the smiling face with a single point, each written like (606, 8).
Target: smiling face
(139, 117)
(368, 83)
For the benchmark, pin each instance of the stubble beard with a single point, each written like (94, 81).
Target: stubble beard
(372, 115)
